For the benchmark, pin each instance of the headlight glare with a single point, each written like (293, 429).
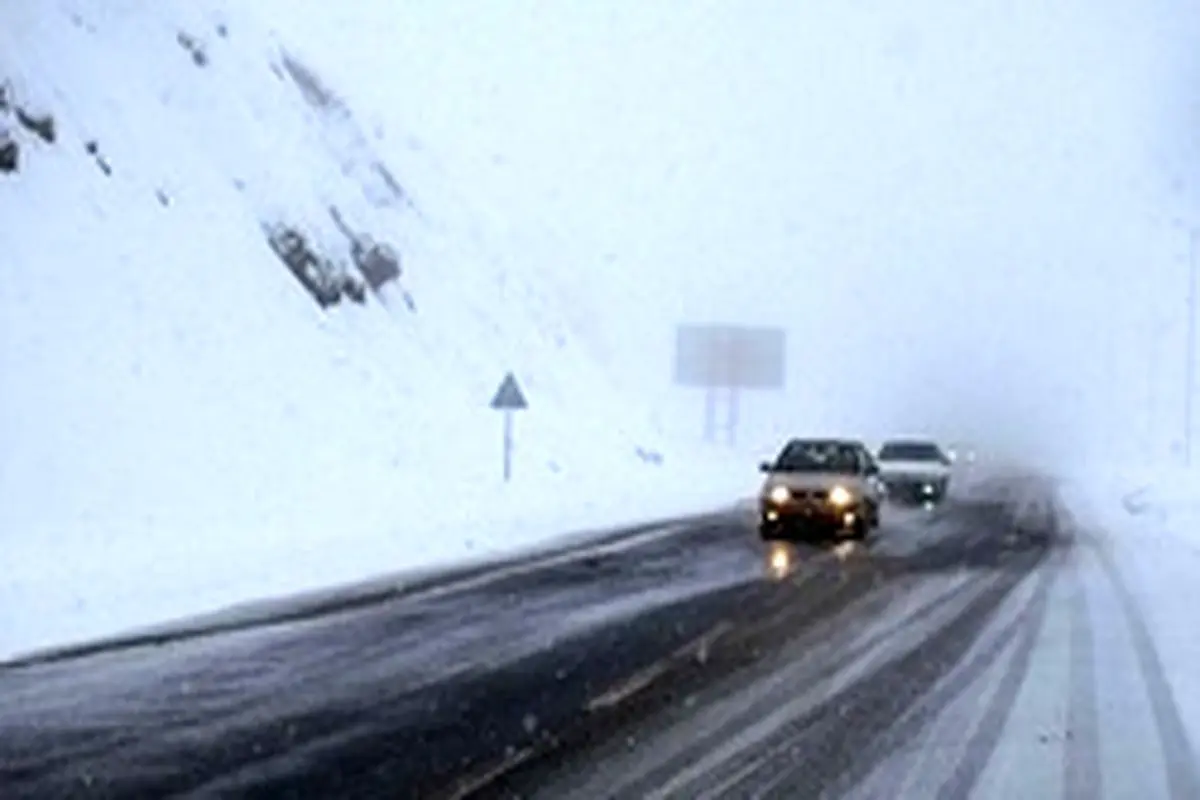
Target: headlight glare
(779, 559)
(840, 496)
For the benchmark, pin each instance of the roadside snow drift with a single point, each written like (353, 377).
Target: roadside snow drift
(248, 345)
(1148, 519)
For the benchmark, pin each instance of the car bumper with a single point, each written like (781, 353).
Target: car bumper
(811, 516)
(916, 490)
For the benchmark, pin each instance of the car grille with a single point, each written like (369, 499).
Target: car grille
(809, 495)
(908, 480)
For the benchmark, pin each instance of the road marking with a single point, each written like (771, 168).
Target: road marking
(1082, 775)
(482, 781)
(697, 648)
(629, 687)
(555, 560)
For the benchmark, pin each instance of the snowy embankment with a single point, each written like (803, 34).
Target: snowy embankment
(1150, 520)
(183, 426)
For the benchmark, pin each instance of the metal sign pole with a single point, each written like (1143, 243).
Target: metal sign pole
(508, 444)
(710, 414)
(731, 429)
(732, 379)
(1189, 371)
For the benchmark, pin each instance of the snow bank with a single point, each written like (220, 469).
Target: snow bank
(182, 427)
(1165, 499)
(98, 590)
(1149, 518)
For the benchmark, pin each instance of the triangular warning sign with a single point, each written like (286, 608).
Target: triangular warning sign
(509, 396)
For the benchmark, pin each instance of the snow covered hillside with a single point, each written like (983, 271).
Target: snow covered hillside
(181, 423)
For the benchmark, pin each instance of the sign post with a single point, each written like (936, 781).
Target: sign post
(509, 398)
(725, 359)
(710, 414)
(732, 421)
(732, 382)
(1189, 368)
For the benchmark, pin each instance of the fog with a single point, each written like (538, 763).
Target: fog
(970, 217)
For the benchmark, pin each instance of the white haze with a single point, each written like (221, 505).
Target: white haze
(966, 214)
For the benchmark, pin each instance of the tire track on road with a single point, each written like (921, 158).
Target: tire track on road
(1018, 626)
(875, 579)
(1082, 775)
(989, 730)
(829, 662)
(848, 735)
(1183, 774)
(822, 596)
(839, 736)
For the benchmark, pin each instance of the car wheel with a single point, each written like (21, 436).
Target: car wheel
(773, 532)
(861, 528)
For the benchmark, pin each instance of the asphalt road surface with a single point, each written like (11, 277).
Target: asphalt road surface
(962, 652)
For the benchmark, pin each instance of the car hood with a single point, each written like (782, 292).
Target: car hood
(931, 469)
(812, 480)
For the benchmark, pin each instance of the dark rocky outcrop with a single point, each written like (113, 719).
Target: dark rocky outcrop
(41, 125)
(378, 262)
(10, 153)
(314, 273)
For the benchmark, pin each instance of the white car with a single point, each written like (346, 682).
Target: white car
(914, 471)
(962, 454)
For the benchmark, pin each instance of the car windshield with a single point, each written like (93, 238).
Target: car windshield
(818, 456)
(911, 451)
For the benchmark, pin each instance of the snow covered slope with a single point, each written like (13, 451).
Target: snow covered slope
(181, 425)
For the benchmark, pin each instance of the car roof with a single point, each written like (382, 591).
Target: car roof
(824, 440)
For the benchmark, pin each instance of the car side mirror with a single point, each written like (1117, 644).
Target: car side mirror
(871, 470)
(764, 466)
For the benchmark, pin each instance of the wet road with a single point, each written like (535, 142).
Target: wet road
(1003, 658)
(663, 664)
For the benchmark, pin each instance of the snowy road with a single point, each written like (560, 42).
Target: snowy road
(957, 646)
(1006, 660)
(263, 701)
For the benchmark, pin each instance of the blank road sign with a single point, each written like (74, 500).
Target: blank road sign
(729, 356)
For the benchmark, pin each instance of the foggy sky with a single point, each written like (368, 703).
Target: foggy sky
(966, 214)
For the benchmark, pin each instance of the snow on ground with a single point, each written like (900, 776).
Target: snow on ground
(182, 428)
(1150, 519)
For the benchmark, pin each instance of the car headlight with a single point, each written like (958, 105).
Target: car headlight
(779, 494)
(840, 496)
